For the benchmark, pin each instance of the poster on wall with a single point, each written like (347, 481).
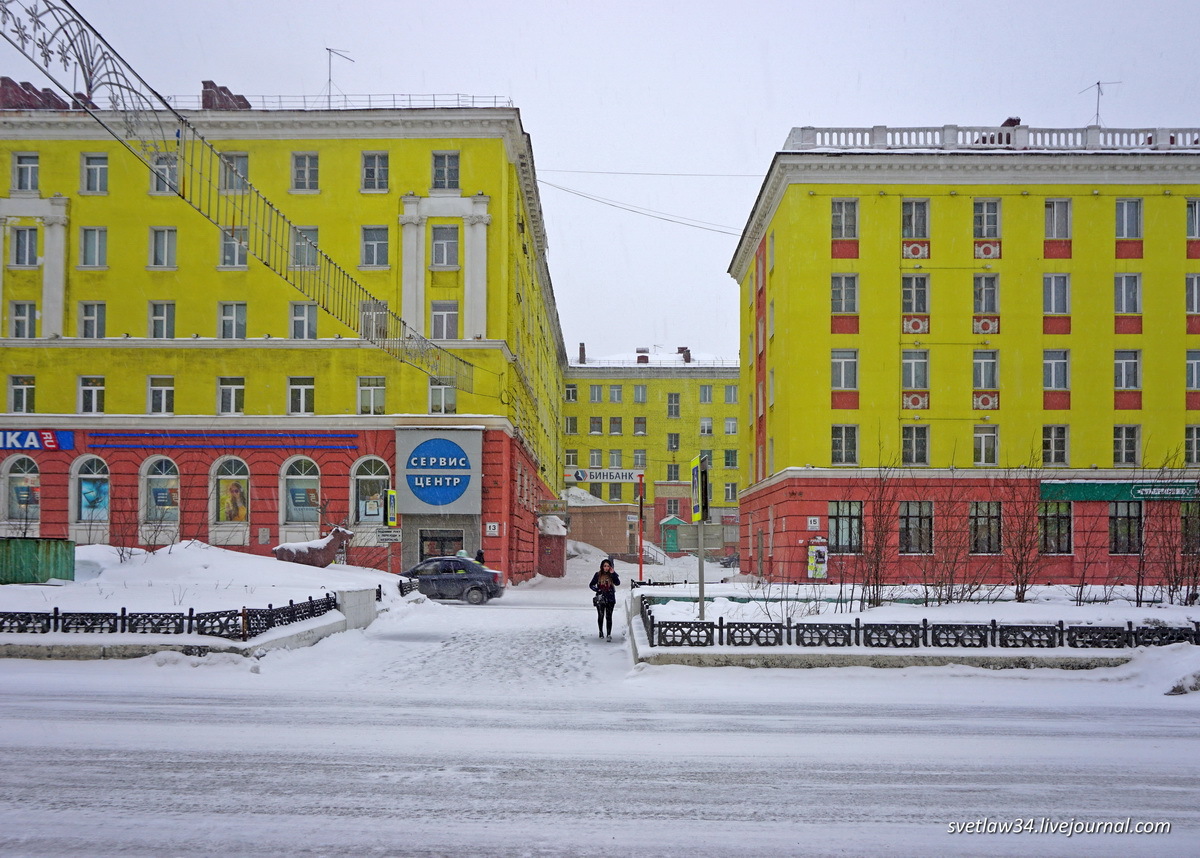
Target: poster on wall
(439, 471)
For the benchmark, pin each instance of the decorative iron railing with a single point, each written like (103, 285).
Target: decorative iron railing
(904, 635)
(992, 137)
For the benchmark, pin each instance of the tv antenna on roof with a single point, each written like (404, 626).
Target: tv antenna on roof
(329, 82)
(1099, 87)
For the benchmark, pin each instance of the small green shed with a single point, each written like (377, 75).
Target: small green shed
(25, 560)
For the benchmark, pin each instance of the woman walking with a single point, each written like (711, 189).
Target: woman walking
(604, 585)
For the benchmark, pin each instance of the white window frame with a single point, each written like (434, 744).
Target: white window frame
(914, 369)
(843, 444)
(1191, 294)
(231, 395)
(1127, 369)
(443, 320)
(1127, 293)
(24, 241)
(985, 222)
(164, 174)
(374, 249)
(731, 394)
(986, 293)
(914, 293)
(235, 172)
(93, 247)
(303, 319)
(372, 394)
(986, 446)
(306, 172)
(616, 393)
(91, 394)
(443, 396)
(231, 320)
(1058, 220)
(844, 218)
(444, 241)
(1056, 369)
(22, 394)
(914, 219)
(1056, 294)
(673, 405)
(639, 394)
(23, 320)
(1129, 218)
(1127, 446)
(235, 247)
(843, 369)
(985, 369)
(706, 425)
(93, 318)
(1056, 445)
(843, 293)
(26, 172)
(376, 167)
(914, 445)
(162, 320)
(731, 427)
(445, 171)
(163, 243)
(302, 395)
(94, 178)
(1192, 373)
(160, 394)
(305, 247)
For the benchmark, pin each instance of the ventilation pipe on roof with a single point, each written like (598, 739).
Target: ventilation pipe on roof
(582, 353)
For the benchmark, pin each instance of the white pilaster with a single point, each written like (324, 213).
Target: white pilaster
(54, 269)
(475, 273)
(412, 264)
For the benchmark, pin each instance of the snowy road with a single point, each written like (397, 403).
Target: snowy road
(508, 730)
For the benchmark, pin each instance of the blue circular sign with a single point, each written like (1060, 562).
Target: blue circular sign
(438, 471)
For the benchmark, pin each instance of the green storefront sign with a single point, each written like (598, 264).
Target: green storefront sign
(1089, 490)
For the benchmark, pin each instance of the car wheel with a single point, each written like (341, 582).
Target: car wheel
(474, 596)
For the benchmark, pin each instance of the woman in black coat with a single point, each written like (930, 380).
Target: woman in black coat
(604, 585)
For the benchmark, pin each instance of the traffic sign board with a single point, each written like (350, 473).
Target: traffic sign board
(388, 534)
(605, 475)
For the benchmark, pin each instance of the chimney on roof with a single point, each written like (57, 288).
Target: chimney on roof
(643, 358)
(686, 352)
(1011, 122)
(215, 97)
(582, 353)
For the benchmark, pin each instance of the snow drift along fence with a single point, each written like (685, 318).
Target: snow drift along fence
(907, 635)
(235, 624)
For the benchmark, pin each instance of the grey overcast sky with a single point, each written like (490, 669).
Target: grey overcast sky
(676, 108)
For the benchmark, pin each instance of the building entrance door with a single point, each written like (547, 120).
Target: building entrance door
(440, 543)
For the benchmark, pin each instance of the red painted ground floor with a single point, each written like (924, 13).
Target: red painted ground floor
(469, 486)
(964, 529)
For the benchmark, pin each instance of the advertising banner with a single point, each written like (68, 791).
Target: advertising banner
(439, 471)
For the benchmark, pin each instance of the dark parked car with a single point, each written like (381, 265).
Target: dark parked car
(730, 561)
(457, 578)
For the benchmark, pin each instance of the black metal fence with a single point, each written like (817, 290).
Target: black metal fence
(906, 635)
(236, 624)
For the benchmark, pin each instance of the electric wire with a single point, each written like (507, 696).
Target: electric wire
(645, 212)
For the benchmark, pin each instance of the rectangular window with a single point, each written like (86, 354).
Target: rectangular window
(1054, 527)
(445, 246)
(1189, 527)
(672, 474)
(26, 172)
(731, 492)
(1191, 286)
(730, 425)
(914, 293)
(1125, 527)
(161, 396)
(375, 171)
(596, 393)
(445, 170)
(303, 321)
(1055, 369)
(914, 369)
(164, 177)
(914, 446)
(304, 172)
(672, 441)
(844, 445)
(731, 458)
(845, 218)
(595, 458)
(914, 218)
(231, 395)
(615, 393)
(373, 319)
(1054, 446)
(1129, 218)
(21, 394)
(302, 395)
(372, 390)
(92, 320)
(985, 370)
(1126, 446)
(639, 426)
(25, 246)
(844, 369)
(1056, 294)
(374, 247)
(23, 318)
(639, 458)
(570, 393)
(91, 394)
(706, 425)
(444, 320)
(614, 492)
(231, 320)
(93, 247)
(162, 320)
(235, 171)
(672, 404)
(95, 174)
(234, 243)
(1191, 445)
(571, 425)
(639, 394)
(673, 506)
(304, 247)
(985, 524)
(162, 247)
(1127, 373)
(987, 293)
(1058, 219)
(845, 527)
(844, 293)
(1193, 370)
(571, 458)
(614, 459)
(916, 527)
(731, 394)
(706, 391)
(443, 396)
(1127, 291)
(1193, 219)
(986, 444)
(986, 223)
(595, 425)
(614, 426)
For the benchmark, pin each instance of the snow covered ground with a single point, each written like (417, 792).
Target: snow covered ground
(508, 729)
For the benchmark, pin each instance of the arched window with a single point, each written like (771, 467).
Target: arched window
(233, 491)
(161, 491)
(91, 486)
(371, 482)
(24, 491)
(302, 491)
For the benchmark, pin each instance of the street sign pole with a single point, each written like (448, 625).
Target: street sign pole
(699, 513)
(641, 483)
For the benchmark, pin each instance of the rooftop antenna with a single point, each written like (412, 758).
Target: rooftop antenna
(1099, 87)
(329, 83)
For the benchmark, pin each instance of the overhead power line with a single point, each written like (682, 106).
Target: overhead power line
(645, 212)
